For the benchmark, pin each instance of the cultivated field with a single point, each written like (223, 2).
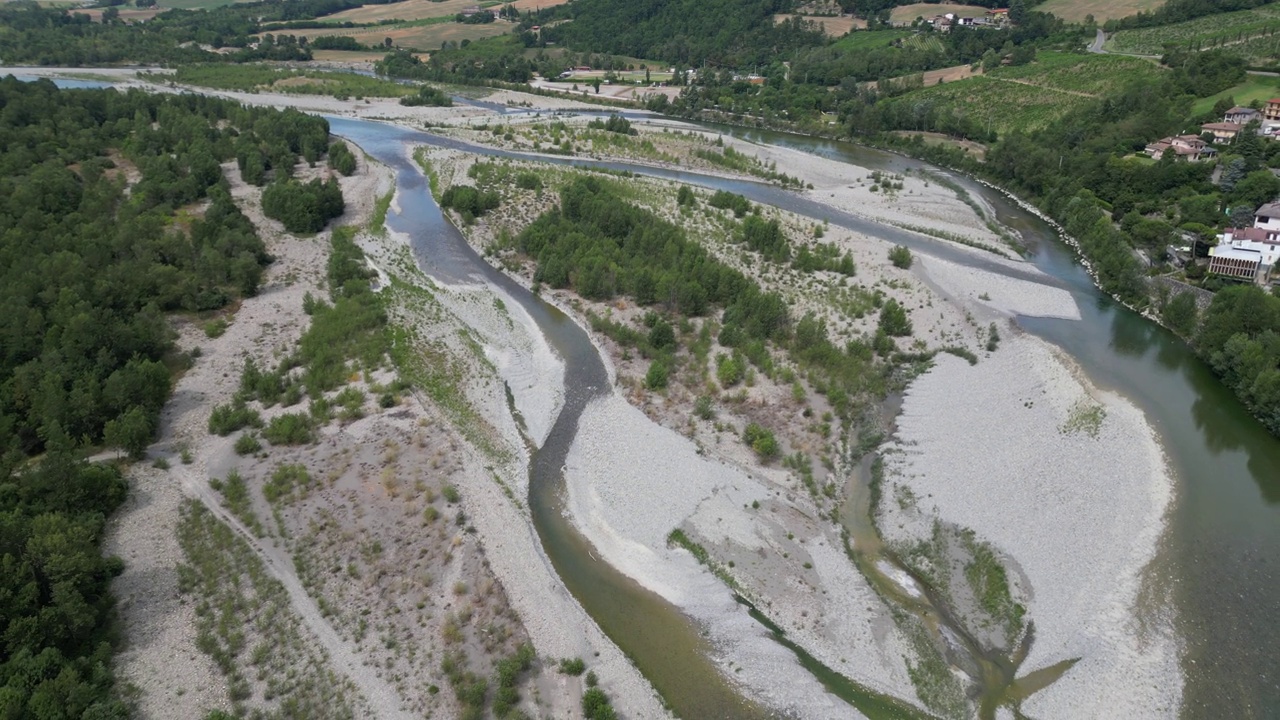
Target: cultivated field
(869, 39)
(408, 10)
(904, 14)
(1101, 10)
(1029, 97)
(1237, 30)
(421, 9)
(417, 37)
(835, 26)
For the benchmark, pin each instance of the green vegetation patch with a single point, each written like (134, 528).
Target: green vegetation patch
(264, 78)
(1226, 30)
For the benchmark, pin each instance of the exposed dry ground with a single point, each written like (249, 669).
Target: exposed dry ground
(362, 577)
(832, 26)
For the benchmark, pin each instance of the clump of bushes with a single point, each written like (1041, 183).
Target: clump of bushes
(901, 257)
(726, 200)
(427, 96)
(469, 202)
(288, 429)
(761, 439)
(303, 207)
(226, 419)
(341, 158)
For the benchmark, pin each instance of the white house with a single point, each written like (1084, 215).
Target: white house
(1249, 254)
(1267, 217)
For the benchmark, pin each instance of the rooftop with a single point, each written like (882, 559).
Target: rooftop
(1270, 210)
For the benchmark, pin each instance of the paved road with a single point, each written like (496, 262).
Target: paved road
(1098, 39)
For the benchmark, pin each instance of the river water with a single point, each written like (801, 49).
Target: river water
(1218, 561)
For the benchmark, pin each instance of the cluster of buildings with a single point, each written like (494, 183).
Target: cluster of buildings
(1250, 254)
(1234, 121)
(997, 17)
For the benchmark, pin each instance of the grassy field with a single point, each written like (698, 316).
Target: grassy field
(1101, 10)
(1255, 87)
(1030, 97)
(1230, 30)
(411, 35)
(907, 13)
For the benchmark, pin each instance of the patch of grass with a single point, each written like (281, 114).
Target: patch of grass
(378, 223)
(678, 538)
(574, 666)
(1084, 417)
(226, 419)
(215, 328)
(990, 584)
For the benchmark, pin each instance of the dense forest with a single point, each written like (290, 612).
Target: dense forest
(721, 33)
(55, 610)
(91, 263)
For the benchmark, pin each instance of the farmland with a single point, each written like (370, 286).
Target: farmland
(1088, 74)
(412, 35)
(1101, 10)
(832, 26)
(1235, 30)
(868, 39)
(1029, 97)
(408, 10)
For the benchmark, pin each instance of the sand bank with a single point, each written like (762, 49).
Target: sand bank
(1069, 484)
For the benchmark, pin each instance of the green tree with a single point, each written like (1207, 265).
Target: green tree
(893, 320)
(130, 432)
(1181, 314)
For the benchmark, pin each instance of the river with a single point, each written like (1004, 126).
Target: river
(1218, 561)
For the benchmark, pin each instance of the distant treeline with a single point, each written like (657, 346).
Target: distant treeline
(722, 33)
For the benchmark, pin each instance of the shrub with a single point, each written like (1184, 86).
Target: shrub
(572, 667)
(288, 429)
(451, 494)
(656, 378)
(595, 705)
(729, 370)
(469, 202)
(901, 257)
(528, 181)
(893, 320)
(726, 200)
(247, 444)
(226, 419)
(703, 408)
(761, 439)
(427, 96)
(341, 158)
(993, 338)
(685, 196)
